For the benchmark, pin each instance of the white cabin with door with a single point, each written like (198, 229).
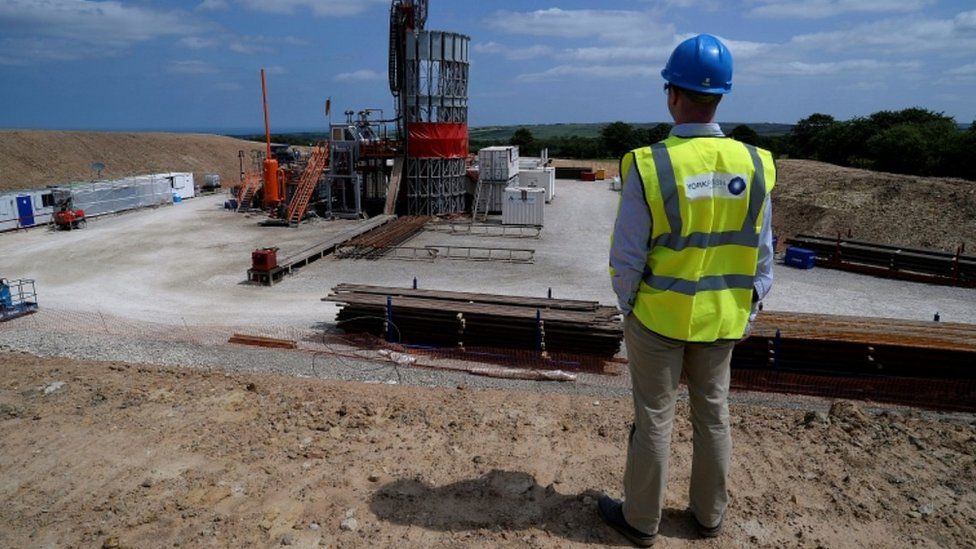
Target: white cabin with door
(27, 208)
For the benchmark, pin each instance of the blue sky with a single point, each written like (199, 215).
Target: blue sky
(194, 64)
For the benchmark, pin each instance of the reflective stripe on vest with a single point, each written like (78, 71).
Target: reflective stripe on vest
(697, 284)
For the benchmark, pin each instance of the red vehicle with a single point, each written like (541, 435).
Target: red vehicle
(68, 219)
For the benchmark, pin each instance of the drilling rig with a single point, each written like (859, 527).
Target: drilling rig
(429, 82)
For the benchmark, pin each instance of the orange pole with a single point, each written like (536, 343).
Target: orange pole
(267, 124)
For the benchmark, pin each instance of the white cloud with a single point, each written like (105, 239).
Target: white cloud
(965, 21)
(362, 75)
(191, 67)
(323, 8)
(213, 5)
(813, 9)
(72, 29)
(198, 42)
(614, 26)
(965, 70)
(562, 72)
(514, 54)
(829, 68)
(904, 35)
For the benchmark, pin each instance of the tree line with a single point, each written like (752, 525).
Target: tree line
(912, 141)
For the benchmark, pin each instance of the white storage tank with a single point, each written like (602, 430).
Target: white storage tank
(498, 163)
(543, 178)
(523, 206)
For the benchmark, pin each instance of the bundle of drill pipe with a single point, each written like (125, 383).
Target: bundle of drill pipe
(920, 363)
(929, 266)
(458, 319)
(375, 243)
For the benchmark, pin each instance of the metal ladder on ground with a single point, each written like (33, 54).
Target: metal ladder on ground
(250, 186)
(317, 163)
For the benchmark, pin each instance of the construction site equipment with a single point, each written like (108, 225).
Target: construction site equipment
(465, 253)
(264, 259)
(524, 206)
(17, 298)
(459, 319)
(317, 162)
(249, 187)
(273, 190)
(500, 163)
(211, 183)
(376, 243)
(361, 167)
(429, 81)
(543, 178)
(486, 229)
(301, 258)
(886, 261)
(916, 363)
(488, 198)
(801, 258)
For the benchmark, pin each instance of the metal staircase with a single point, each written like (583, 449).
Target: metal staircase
(317, 163)
(252, 182)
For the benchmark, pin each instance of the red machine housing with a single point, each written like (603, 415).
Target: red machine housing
(264, 260)
(69, 219)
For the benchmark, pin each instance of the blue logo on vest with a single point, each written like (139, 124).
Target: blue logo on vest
(737, 186)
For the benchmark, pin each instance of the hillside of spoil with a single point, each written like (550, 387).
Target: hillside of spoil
(31, 158)
(903, 210)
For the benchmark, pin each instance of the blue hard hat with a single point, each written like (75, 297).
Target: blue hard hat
(702, 64)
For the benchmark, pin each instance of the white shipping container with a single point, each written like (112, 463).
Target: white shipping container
(523, 206)
(498, 163)
(543, 178)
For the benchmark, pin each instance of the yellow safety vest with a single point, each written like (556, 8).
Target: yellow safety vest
(706, 196)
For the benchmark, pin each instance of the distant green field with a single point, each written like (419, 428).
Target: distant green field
(546, 131)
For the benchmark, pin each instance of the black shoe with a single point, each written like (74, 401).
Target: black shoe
(612, 513)
(705, 531)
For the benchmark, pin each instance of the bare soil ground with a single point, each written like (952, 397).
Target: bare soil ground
(135, 456)
(902, 210)
(30, 158)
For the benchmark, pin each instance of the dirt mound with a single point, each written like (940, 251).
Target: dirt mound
(37, 158)
(919, 212)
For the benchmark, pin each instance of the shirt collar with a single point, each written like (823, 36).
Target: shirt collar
(710, 129)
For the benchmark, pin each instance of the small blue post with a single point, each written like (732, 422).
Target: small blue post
(936, 318)
(776, 348)
(550, 293)
(414, 283)
(389, 319)
(538, 329)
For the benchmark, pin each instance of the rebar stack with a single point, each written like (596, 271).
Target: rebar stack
(458, 319)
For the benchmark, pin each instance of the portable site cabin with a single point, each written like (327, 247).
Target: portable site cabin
(21, 209)
(25, 208)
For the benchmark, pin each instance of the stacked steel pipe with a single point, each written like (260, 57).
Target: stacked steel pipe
(928, 364)
(376, 243)
(891, 261)
(458, 319)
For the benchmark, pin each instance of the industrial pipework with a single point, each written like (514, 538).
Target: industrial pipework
(273, 191)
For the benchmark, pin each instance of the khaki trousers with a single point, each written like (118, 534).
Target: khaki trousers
(656, 363)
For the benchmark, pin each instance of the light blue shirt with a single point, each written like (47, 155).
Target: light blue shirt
(632, 231)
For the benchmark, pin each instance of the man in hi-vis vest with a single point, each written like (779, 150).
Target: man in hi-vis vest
(690, 259)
